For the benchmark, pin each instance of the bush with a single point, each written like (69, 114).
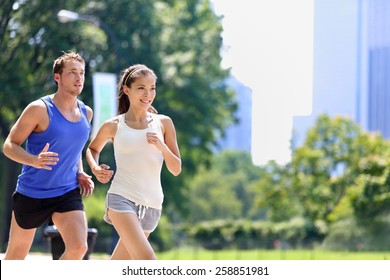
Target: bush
(344, 234)
(244, 234)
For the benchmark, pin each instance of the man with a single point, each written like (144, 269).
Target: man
(52, 181)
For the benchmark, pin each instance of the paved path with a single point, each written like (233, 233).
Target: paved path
(47, 256)
(33, 256)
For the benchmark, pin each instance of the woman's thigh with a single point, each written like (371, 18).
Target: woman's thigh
(132, 235)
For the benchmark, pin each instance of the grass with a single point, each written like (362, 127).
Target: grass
(201, 254)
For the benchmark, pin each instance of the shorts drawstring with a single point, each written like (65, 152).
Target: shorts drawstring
(141, 211)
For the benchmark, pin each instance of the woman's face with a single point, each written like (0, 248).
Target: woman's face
(142, 91)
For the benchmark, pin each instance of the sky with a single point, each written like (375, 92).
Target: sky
(268, 44)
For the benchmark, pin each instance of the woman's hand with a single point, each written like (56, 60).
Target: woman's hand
(102, 173)
(152, 138)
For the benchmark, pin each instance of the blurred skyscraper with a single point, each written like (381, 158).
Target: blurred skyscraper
(238, 136)
(376, 54)
(351, 71)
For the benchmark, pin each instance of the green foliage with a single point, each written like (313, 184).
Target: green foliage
(184, 51)
(377, 232)
(94, 208)
(275, 194)
(163, 238)
(340, 174)
(326, 165)
(224, 191)
(374, 184)
(276, 254)
(245, 234)
(320, 175)
(213, 235)
(345, 234)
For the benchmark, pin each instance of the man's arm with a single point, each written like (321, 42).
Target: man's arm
(33, 119)
(85, 181)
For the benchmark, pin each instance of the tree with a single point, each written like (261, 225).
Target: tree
(373, 198)
(320, 173)
(340, 176)
(327, 164)
(275, 194)
(29, 42)
(224, 190)
(184, 50)
(194, 92)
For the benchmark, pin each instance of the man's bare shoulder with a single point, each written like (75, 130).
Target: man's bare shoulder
(89, 112)
(36, 107)
(34, 117)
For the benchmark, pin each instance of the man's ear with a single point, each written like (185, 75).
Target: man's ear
(56, 77)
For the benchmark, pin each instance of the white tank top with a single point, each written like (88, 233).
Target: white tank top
(138, 164)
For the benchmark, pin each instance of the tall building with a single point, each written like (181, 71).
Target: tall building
(375, 109)
(350, 68)
(238, 136)
(351, 64)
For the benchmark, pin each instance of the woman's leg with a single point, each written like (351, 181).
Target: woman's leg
(120, 252)
(132, 238)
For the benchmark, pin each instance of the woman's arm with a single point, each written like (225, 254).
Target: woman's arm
(106, 133)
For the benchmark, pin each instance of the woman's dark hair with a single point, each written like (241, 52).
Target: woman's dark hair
(129, 75)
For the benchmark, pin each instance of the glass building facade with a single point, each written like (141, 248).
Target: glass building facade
(377, 39)
(351, 71)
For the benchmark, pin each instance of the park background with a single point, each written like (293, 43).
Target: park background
(331, 195)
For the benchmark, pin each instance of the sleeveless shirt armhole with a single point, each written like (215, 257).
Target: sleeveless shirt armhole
(122, 119)
(46, 101)
(121, 122)
(82, 107)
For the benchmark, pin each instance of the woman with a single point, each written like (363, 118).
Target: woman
(142, 140)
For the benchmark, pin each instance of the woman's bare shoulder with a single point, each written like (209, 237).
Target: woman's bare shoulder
(163, 118)
(113, 120)
(111, 123)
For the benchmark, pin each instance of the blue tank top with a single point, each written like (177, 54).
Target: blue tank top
(65, 138)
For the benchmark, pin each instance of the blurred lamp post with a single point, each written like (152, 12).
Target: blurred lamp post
(104, 84)
(65, 16)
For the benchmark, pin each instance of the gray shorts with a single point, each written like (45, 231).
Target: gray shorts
(149, 217)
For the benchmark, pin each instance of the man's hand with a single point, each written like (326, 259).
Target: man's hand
(44, 159)
(86, 184)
